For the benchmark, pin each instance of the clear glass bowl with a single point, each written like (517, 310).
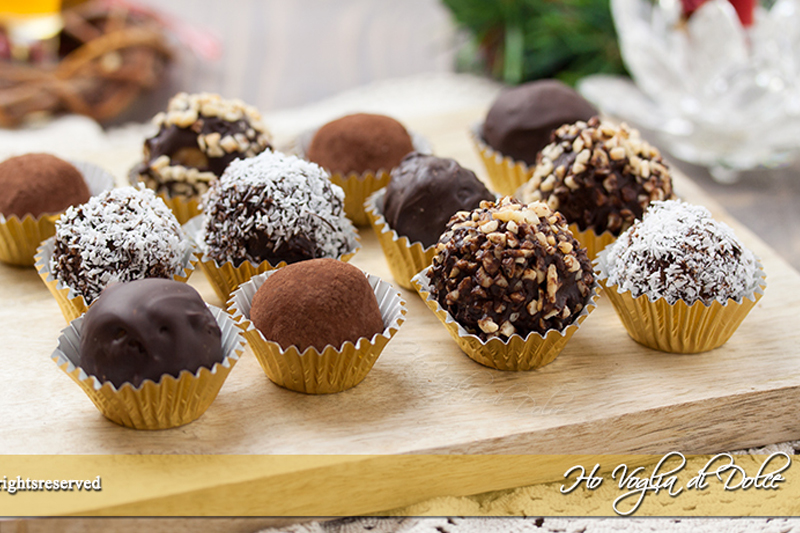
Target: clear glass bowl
(716, 93)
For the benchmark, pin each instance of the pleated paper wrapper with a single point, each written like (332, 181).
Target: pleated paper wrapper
(515, 353)
(19, 239)
(505, 174)
(357, 187)
(404, 258)
(593, 243)
(71, 303)
(679, 327)
(225, 277)
(312, 372)
(169, 403)
(182, 207)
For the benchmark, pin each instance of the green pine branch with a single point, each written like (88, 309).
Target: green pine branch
(521, 40)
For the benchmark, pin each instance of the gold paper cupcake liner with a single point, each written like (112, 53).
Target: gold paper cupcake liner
(517, 352)
(184, 208)
(312, 372)
(593, 243)
(405, 258)
(505, 174)
(71, 303)
(19, 238)
(226, 278)
(357, 187)
(169, 403)
(679, 327)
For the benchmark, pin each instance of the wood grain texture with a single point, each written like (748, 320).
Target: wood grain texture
(603, 394)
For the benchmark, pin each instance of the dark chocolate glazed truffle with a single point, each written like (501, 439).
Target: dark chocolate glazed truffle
(510, 268)
(38, 184)
(198, 137)
(316, 303)
(275, 208)
(146, 329)
(425, 191)
(358, 143)
(522, 118)
(599, 176)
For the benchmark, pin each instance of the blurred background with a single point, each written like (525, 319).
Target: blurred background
(714, 83)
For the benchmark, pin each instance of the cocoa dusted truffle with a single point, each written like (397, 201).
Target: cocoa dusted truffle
(198, 137)
(425, 191)
(520, 121)
(275, 208)
(678, 252)
(360, 143)
(146, 329)
(120, 235)
(599, 176)
(508, 268)
(316, 303)
(38, 184)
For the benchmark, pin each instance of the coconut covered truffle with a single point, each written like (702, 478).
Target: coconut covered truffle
(198, 136)
(316, 303)
(509, 268)
(275, 207)
(599, 176)
(521, 119)
(425, 191)
(360, 143)
(146, 329)
(121, 235)
(37, 184)
(678, 252)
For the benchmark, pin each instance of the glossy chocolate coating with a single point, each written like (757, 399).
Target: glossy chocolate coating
(522, 118)
(37, 184)
(180, 144)
(425, 191)
(146, 329)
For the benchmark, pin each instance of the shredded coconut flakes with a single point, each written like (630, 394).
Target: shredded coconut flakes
(282, 198)
(678, 251)
(121, 235)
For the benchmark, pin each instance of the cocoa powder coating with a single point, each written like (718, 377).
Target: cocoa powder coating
(358, 143)
(317, 303)
(38, 184)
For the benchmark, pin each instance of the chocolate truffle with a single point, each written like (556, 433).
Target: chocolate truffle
(425, 191)
(508, 268)
(146, 329)
(275, 208)
(38, 184)
(360, 143)
(520, 121)
(120, 235)
(316, 303)
(198, 137)
(678, 252)
(599, 176)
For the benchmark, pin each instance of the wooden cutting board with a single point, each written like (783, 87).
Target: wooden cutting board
(604, 394)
